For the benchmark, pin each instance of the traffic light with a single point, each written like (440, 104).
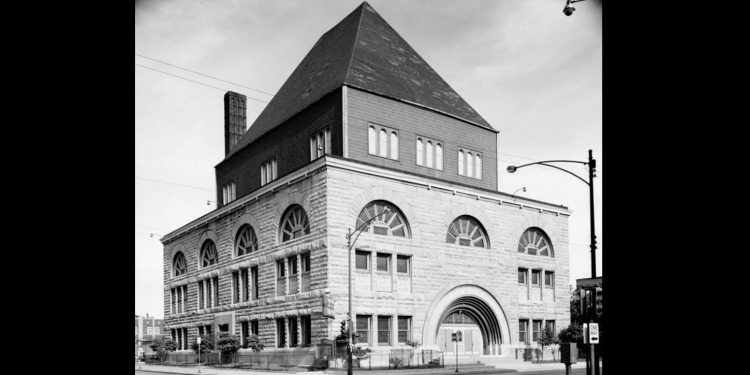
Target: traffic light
(582, 293)
(598, 296)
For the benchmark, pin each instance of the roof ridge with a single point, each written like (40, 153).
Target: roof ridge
(359, 26)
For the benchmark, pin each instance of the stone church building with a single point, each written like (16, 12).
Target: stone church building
(365, 133)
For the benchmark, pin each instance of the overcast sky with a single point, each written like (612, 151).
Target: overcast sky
(533, 73)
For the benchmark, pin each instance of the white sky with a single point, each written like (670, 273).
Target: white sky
(533, 73)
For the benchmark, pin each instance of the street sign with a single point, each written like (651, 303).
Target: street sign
(594, 333)
(457, 337)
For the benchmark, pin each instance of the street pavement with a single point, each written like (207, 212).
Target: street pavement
(490, 368)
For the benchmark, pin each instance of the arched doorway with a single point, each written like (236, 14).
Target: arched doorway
(473, 311)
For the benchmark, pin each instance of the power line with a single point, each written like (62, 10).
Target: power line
(172, 183)
(303, 111)
(206, 75)
(200, 83)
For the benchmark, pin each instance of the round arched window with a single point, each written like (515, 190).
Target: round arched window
(179, 266)
(388, 219)
(294, 224)
(246, 241)
(209, 256)
(466, 231)
(535, 242)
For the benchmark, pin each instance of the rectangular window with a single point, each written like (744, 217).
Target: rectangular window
(268, 171)
(209, 293)
(320, 144)
(280, 332)
(429, 153)
(522, 275)
(235, 287)
(280, 277)
(535, 277)
(156, 331)
(293, 341)
(383, 262)
(469, 163)
(306, 330)
(254, 276)
(550, 325)
(293, 275)
(363, 328)
(536, 327)
(549, 278)
(362, 260)
(244, 335)
(216, 291)
(185, 340)
(254, 327)
(404, 329)
(200, 330)
(149, 330)
(305, 259)
(384, 330)
(245, 281)
(403, 264)
(523, 329)
(174, 301)
(382, 141)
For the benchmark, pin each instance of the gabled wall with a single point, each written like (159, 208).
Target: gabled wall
(412, 121)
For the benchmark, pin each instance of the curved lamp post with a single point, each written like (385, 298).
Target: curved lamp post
(350, 244)
(592, 173)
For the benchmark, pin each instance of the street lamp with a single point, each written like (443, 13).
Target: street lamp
(568, 10)
(592, 173)
(592, 360)
(350, 244)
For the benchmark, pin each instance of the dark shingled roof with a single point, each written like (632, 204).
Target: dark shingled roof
(364, 52)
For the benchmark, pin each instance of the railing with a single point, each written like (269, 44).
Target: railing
(256, 360)
(396, 359)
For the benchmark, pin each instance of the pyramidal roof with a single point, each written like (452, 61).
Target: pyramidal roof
(364, 52)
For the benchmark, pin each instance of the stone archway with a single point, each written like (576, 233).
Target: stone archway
(477, 303)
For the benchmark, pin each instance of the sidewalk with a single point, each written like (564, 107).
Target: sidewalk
(509, 367)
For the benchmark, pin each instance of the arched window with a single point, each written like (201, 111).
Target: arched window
(535, 242)
(372, 140)
(466, 231)
(209, 256)
(469, 164)
(429, 154)
(479, 167)
(460, 162)
(420, 152)
(179, 266)
(394, 145)
(246, 241)
(294, 224)
(383, 143)
(392, 223)
(439, 156)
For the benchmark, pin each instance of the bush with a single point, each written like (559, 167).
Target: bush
(228, 344)
(163, 346)
(253, 342)
(207, 344)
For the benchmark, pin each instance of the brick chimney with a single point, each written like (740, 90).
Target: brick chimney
(235, 119)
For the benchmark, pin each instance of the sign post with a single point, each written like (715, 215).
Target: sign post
(198, 340)
(457, 337)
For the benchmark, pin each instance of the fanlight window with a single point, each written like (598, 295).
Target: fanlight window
(209, 256)
(247, 242)
(391, 223)
(294, 224)
(179, 266)
(466, 231)
(535, 242)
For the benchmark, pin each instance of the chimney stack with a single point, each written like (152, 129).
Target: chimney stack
(235, 119)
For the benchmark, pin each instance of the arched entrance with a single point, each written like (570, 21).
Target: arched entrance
(473, 311)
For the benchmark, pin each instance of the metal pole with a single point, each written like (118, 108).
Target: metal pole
(350, 370)
(592, 169)
(456, 356)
